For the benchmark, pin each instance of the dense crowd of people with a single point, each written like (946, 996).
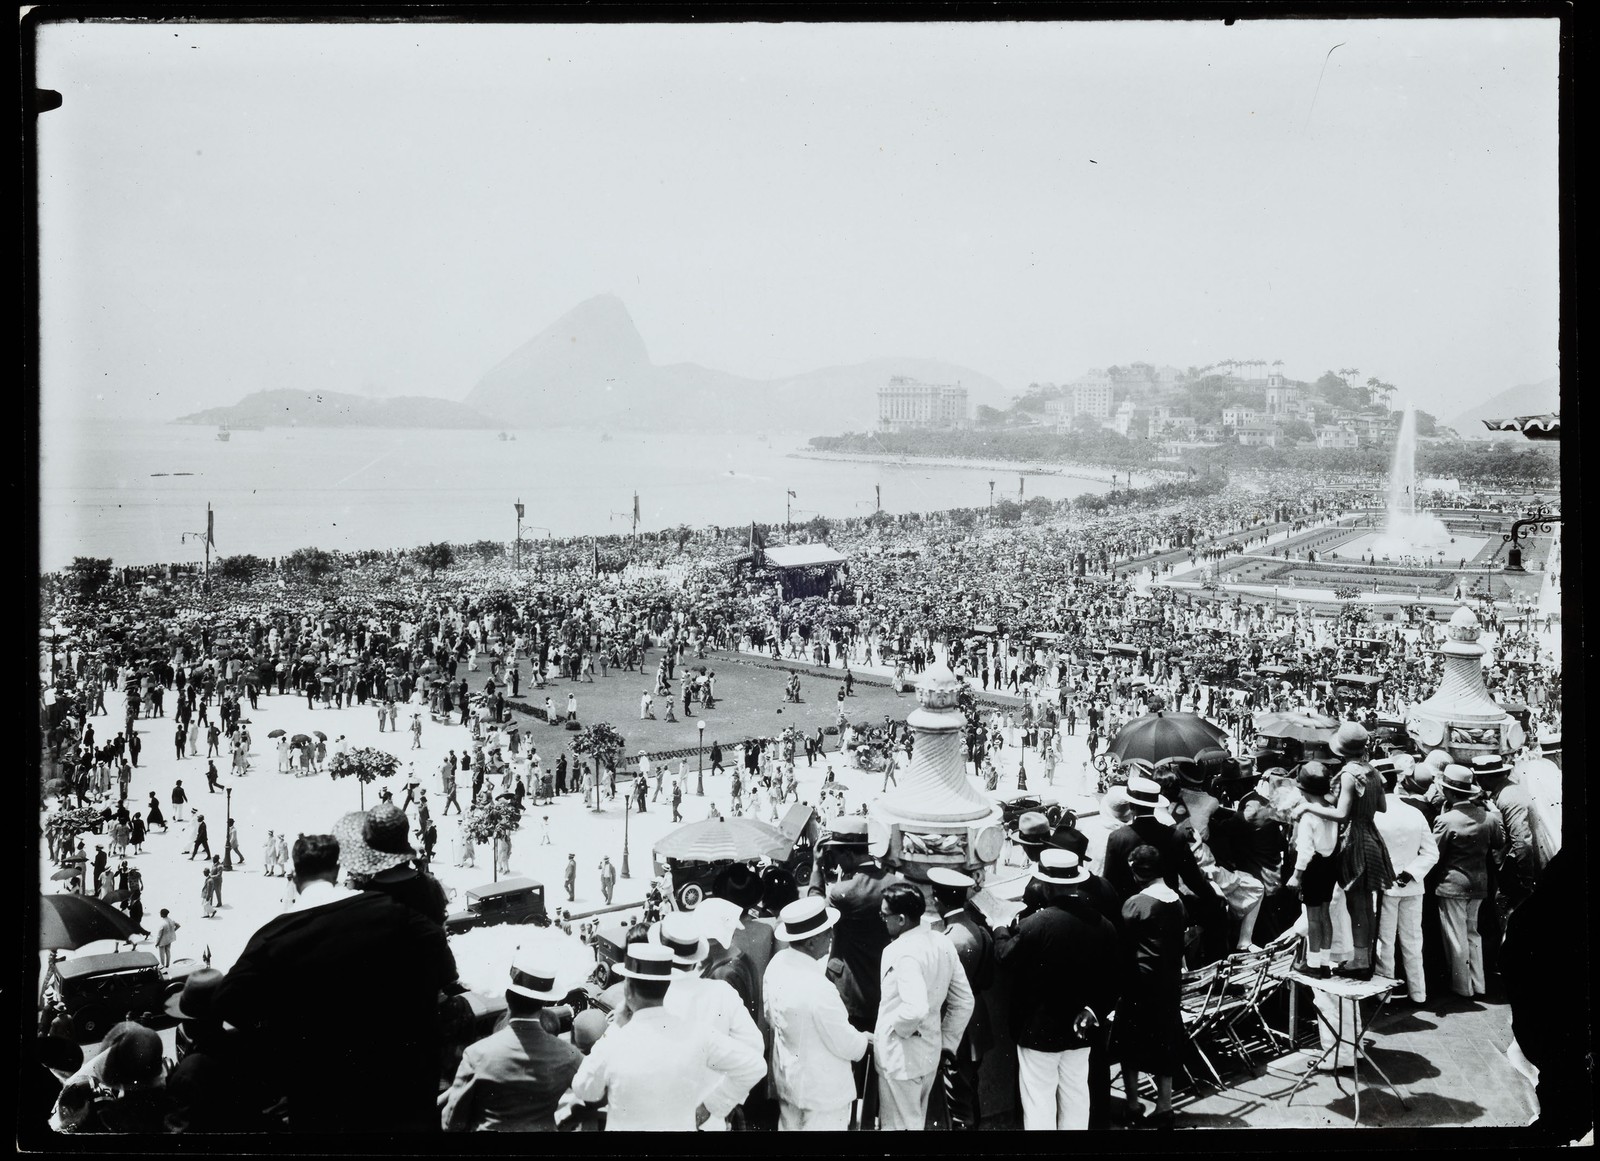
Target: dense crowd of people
(875, 1011)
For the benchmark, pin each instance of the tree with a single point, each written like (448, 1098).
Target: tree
(681, 535)
(1008, 511)
(492, 822)
(1295, 430)
(243, 567)
(311, 563)
(600, 743)
(1427, 424)
(986, 416)
(434, 556)
(90, 573)
(1040, 507)
(819, 527)
(365, 765)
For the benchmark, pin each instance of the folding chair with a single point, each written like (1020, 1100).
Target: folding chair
(1197, 1001)
(1280, 961)
(1242, 977)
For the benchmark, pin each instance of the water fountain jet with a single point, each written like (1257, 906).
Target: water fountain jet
(1407, 532)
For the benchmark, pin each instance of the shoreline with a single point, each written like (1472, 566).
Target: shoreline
(1139, 479)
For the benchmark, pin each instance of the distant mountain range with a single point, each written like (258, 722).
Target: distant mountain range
(590, 369)
(331, 409)
(1529, 399)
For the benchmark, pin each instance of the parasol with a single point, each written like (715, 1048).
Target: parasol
(1166, 735)
(67, 922)
(319, 735)
(66, 873)
(715, 840)
(300, 740)
(276, 733)
(1302, 727)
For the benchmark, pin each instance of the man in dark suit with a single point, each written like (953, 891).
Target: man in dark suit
(975, 946)
(343, 991)
(513, 1080)
(1467, 835)
(854, 881)
(1144, 796)
(1065, 965)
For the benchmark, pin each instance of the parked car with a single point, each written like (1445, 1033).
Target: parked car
(516, 900)
(94, 992)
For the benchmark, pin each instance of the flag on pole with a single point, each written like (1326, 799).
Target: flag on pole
(792, 496)
(519, 509)
(211, 527)
(636, 507)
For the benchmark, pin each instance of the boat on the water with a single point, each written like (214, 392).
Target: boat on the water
(223, 434)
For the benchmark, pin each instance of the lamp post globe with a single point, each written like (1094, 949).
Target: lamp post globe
(700, 761)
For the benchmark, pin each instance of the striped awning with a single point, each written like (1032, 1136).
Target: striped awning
(1546, 426)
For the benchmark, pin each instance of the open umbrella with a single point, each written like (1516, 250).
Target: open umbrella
(1166, 735)
(319, 735)
(300, 740)
(1302, 727)
(715, 840)
(66, 873)
(276, 733)
(67, 922)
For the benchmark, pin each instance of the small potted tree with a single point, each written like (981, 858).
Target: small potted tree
(494, 821)
(601, 744)
(365, 765)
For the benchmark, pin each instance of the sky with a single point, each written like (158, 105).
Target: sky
(392, 209)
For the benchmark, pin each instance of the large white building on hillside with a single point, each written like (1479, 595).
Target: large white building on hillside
(905, 404)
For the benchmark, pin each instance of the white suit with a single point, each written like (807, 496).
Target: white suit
(654, 1071)
(813, 1043)
(713, 1005)
(923, 1009)
(1412, 848)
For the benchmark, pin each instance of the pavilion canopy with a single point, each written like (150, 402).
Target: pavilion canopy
(801, 556)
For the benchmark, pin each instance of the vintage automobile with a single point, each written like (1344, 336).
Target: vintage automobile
(516, 900)
(767, 886)
(94, 992)
(1361, 688)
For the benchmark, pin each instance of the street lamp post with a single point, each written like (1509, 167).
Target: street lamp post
(626, 804)
(700, 761)
(516, 555)
(227, 853)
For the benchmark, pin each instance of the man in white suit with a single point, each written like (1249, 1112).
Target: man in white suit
(702, 1002)
(1413, 852)
(656, 1072)
(923, 1008)
(813, 1043)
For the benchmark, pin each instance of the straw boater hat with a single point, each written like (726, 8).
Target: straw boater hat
(1144, 792)
(849, 831)
(1458, 780)
(531, 976)
(1060, 867)
(374, 840)
(1349, 740)
(647, 961)
(804, 918)
(680, 932)
(1490, 766)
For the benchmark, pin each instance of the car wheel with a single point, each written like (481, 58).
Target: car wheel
(92, 1022)
(690, 895)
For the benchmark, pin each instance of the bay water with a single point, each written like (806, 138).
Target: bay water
(131, 490)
